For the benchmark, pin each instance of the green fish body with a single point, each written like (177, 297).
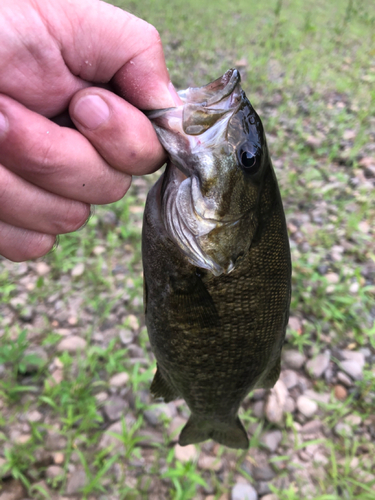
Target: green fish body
(216, 260)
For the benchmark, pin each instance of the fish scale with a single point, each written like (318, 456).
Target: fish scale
(216, 299)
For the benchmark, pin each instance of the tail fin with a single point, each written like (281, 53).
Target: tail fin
(230, 433)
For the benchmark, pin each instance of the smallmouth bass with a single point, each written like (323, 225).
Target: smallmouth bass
(216, 258)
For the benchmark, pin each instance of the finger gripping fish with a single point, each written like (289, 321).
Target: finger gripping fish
(216, 260)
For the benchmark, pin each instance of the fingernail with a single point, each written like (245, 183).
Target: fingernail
(91, 111)
(4, 125)
(175, 96)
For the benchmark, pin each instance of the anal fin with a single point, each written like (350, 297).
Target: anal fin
(160, 388)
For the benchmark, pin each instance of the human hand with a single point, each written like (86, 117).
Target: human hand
(51, 53)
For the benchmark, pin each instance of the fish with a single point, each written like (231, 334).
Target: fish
(216, 260)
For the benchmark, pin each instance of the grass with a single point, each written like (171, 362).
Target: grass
(309, 69)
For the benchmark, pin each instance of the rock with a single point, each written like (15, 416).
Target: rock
(290, 405)
(206, 462)
(119, 380)
(132, 321)
(317, 396)
(258, 409)
(344, 379)
(185, 453)
(352, 368)
(274, 406)
(42, 268)
(126, 336)
(342, 429)
(98, 250)
(306, 406)
(101, 397)
(263, 488)
(34, 416)
(290, 378)
(320, 459)
(54, 471)
(311, 429)
(12, 490)
(156, 414)
(76, 481)
(317, 366)
(332, 278)
(114, 407)
(271, 440)
(58, 458)
(259, 394)
(272, 496)
(54, 440)
(295, 324)
(263, 472)
(356, 356)
(150, 438)
(78, 270)
(294, 359)
(176, 426)
(244, 491)
(72, 344)
(109, 440)
(57, 377)
(353, 420)
(340, 392)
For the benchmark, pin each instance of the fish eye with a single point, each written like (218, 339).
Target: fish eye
(249, 158)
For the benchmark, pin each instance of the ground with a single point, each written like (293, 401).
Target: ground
(76, 417)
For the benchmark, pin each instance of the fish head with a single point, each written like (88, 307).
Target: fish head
(218, 158)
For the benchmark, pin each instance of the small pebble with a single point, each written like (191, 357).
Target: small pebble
(344, 379)
(356, 356)
(353, 420)
(241, 491)
(342, 429)
(72, 344)
(186, 453)
(78, 270)
(42, 268)
(294, 359)
(58, 458)
(206, 462)
(352, 368)
(306, 406)
(119, 380)
(274, 407)
(290, 378)
(54, 471)
(317, 366)
(340, 392)
(126, 336)
(271, 440)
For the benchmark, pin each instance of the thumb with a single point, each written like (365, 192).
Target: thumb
(121, 133)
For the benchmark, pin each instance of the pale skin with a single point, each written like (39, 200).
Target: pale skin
(52, 54)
